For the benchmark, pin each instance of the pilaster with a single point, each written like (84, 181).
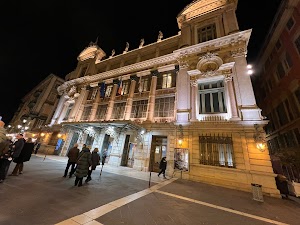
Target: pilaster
(129, 101)
(111, 102)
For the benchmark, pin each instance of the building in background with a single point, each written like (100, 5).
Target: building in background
(36, 109)
(186, 97)
(277, 88)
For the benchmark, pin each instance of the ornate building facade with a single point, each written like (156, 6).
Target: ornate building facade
(186, 97)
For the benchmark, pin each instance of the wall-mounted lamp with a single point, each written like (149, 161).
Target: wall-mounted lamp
(180, 142)
(59, 135)
(42, 134)
(180, 138)
(260, 137)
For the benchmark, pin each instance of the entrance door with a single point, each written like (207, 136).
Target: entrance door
(106, 147)
(125, 151)
(89, 141)
(73, 141)
(158, 150)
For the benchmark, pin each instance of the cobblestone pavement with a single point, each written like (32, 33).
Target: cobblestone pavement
(121, 195)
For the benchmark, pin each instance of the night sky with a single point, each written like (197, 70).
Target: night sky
(43, 37)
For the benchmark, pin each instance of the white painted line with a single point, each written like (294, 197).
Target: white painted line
(88, 218)
(222, 208)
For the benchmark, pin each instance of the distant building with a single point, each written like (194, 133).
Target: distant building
(186, 97)
(277, 87)
(37, 108)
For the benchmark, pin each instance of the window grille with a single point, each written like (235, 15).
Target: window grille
(139, 109)
(118, 110)
(101, 112)
(164, 107)
(86, 113)
(212, 98)
(92, 94)
(125, 87)
(216, 151)
(143, 84)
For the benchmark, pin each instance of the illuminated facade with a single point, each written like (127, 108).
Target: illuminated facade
(189, 93)
(278, 87)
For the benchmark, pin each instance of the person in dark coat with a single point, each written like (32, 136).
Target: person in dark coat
(24, 156)
(282, 185)
(17, 149)
(5, 157)
(73, 156)
(163, 166)
(83, 163)
(95, 163)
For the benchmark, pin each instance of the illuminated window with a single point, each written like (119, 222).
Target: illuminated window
(143, 84)
(216, 151)
(212, 97)
(164, 107)
(125, 87)
(108, 90)
(118, 111)
(139, 109)
(207, 33)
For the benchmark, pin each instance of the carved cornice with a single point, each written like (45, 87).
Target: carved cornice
(177, 55)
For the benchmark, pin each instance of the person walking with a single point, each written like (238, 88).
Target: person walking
(83, 163)
(95, 163)
(162, 167)
(73, 156)
(24, 156)
(37, 146)
(17, 149)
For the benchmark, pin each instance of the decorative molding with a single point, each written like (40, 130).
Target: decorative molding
(239, 52)
(209, 64)
(170, 58)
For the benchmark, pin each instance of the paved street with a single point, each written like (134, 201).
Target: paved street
(41, 196)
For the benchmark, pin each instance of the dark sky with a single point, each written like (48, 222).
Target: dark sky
(43, 37)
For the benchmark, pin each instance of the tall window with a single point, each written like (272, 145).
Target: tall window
(108, 90)
(282, 116)
(101, 112)
(297, 43)
(207, 33)
(280, 71)
(92, 94)
(164, 107)
(290, 23)
(86, 113)
(143, 84)
(125, 87)
(297, 94)
(139, 109)
(212, 97)
(118, 111)
(216, 151)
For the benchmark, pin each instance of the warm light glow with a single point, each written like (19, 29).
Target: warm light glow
(180, 142)
(42, 134)
(33, 135)
(249, 66)
(26, 128)
(19, 126)
(261, 146)
(9, 126)
(24, 121)
(59, 135)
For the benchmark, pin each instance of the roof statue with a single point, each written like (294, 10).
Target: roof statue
(142, 41)
(113, 52)
(160, 36)
(126, 48)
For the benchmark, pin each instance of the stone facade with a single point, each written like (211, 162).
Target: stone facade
(186, 93)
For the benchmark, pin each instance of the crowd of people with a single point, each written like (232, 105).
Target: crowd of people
(82, 162)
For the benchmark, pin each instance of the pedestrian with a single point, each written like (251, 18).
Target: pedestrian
(5, 157)
(16, 149)
(84, 161)
(282, 185)
(95, 163)
(37, 146)
(73, 156)
(24, 156)
(103, 158)
(163, 166)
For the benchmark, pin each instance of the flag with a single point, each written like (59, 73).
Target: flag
(102, 90)
(120, 87)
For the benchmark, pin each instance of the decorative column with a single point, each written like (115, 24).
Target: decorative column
(77, 104)
(231, 95)
(194, 87)
(129, 101)
(95, 106)
(63, 112)
(183, 92)
(58, 110)
(151, 101)
(111, 101)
